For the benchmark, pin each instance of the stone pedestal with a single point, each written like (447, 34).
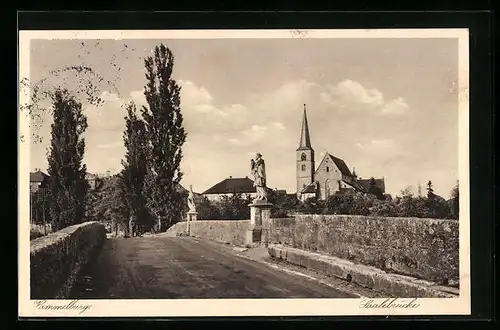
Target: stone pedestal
(260, 213)
(191, 216)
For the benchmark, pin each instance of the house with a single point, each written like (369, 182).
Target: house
(38, 180)
(230, 186)
(331, 177)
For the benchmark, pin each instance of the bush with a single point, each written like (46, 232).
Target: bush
(348, 204)
(311, 205)
(284, 205)
(234, 207)
(384, 209)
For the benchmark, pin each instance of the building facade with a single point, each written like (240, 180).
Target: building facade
(331, 177)
(231, 186)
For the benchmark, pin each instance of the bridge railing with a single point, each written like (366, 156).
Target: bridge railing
(56, 259)
(417, 247)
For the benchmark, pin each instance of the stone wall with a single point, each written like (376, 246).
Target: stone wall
(224, 231)
(422, 248)
(56, 259)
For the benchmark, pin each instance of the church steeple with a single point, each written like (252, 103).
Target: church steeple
(305, 158)
(305, 139)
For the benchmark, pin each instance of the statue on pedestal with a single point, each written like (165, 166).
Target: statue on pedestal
(190, 200)
(258, 169)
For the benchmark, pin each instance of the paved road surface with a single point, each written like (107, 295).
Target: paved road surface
(184, 267)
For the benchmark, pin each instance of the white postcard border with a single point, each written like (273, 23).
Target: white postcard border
(243, 307)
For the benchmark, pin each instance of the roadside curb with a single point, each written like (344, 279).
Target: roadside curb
(369, 277)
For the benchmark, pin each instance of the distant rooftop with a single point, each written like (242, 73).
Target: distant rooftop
(38, 176)
(232, 185)
(366, 183)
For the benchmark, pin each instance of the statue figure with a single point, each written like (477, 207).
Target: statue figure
(259, 173)
(190, 200)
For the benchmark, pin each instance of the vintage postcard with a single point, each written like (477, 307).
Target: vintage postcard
(170, 173)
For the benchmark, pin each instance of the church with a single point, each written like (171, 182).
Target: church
(331, 177)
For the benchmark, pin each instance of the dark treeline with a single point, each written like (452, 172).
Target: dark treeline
(235, 207)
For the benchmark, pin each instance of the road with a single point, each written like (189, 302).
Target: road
(183, 267)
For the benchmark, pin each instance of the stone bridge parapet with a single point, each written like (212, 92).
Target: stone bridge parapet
(421, 248)
(57, 258)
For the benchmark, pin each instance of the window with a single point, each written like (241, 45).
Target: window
(327, 169)
(303, 156)
(303, 167)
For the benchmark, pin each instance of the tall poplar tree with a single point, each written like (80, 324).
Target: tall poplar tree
(166, 135)
(135, 167)
(68, 185)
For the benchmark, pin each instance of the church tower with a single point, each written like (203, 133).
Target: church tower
(305, 157)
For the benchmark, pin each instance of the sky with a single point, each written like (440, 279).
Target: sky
(387, 107)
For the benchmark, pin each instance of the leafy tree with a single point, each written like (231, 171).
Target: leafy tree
(116, 211)
(135, 169)
(312, 205)
(438, 208)
(233, 207)
(384, 209)
(206, 209)
(407, 191)
(430, 191)
(347, 204)
(455, 202)
(166, 135)
(406, 203)
(283, 204)
(108, 205)
(68, 186)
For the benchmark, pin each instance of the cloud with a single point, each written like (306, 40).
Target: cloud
(194, 95)
(235, 141)
(349, 95)
(269, 122)
(352, 91)
(279, 125)
(257, 128)
(395, 107)
(383, 144)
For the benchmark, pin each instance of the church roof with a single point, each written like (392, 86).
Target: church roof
(341, 165)
(309, 189)
(305, 139)
(231, 186)
(365, 183)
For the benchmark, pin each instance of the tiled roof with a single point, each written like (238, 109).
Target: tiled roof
(341, 165)
(344, 191)
(365, 183)
(232, 185)
(310, 189)
(38, 176)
